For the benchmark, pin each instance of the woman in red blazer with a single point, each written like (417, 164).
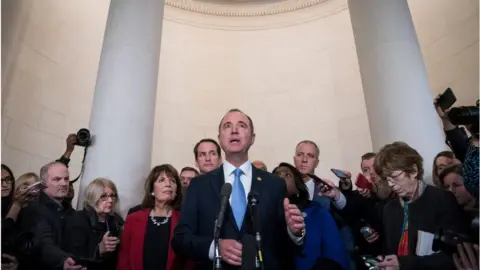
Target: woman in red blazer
(145, 242)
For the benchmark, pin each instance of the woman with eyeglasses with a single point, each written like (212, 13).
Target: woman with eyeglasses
(411, 221)
(8, 186)
(148, 232)
(323, 241)
(93, 234)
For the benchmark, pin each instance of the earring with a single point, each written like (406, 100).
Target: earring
(153, 194)
(298, 194)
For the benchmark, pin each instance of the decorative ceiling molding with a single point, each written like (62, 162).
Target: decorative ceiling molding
(239, 9)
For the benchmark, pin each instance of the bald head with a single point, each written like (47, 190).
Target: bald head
(259, 165)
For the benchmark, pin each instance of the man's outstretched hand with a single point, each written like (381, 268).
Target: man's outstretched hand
(294, 218)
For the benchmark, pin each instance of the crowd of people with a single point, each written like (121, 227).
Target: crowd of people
(392, 220)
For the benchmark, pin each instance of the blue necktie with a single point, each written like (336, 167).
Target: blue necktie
(239, 200)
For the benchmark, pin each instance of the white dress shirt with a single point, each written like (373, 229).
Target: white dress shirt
(311, 188)
(246, 179)
(339, 204)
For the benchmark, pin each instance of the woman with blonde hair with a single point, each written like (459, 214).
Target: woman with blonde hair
(94, 232)
(24, 192)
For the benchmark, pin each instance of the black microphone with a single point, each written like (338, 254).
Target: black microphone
(225, 193)
(253, 201)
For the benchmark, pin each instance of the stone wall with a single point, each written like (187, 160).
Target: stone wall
(294, 73)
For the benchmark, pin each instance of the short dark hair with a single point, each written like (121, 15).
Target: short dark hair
(148, 201)
(237, 110)
(453, 168)
(309, 142)
(303, 196)
(367, 156)
(208, 140)
(190, 169)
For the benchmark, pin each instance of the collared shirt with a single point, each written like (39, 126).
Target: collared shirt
(311, 188)
(339, 204)
(246, 176)
(246, 179)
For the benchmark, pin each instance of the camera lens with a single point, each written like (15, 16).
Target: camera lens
(464, 115)
(83, 136)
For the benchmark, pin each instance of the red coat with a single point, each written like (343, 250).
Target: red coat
(130, 256)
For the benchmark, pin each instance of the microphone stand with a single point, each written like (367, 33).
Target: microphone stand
(258, 240)
(217, 259)
(253, 200)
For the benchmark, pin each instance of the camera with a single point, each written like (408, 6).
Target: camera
(466, 115)
(447, 241)
(83, 138)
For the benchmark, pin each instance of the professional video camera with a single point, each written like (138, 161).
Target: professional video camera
(463, 115)
(466, 115)
(447, 240)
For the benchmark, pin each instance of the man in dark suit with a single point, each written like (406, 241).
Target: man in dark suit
(282, 223)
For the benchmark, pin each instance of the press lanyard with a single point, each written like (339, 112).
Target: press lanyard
(405, 216)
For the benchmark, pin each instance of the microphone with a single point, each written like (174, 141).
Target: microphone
(253, 201)
(225, 195)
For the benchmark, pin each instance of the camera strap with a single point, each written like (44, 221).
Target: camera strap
(83, 166)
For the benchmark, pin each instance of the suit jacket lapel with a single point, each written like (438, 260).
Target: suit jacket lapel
(258, 187)
(217, 181)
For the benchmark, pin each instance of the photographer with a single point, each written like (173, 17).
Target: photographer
(71, 141)
(465, 148)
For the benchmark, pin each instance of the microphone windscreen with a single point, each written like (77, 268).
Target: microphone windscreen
(226, 190)
(253, 196)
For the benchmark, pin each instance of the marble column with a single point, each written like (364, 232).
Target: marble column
(123, 112)
(397, 92)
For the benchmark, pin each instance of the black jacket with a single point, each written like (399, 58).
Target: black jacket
(369, 210)
(435, 209)
(84, 232)
(44, 219)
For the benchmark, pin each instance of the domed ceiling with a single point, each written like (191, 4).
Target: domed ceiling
(242, 8)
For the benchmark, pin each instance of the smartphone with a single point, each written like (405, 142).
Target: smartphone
(88, 263)
(447, 99)
(339, 173)
(370, 262)
(323, 185)
(112, 229)
(39, 183)
(362, 182)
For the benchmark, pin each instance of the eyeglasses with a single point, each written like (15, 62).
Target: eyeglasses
(7, 180)
(393, 178)
(105, 197)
